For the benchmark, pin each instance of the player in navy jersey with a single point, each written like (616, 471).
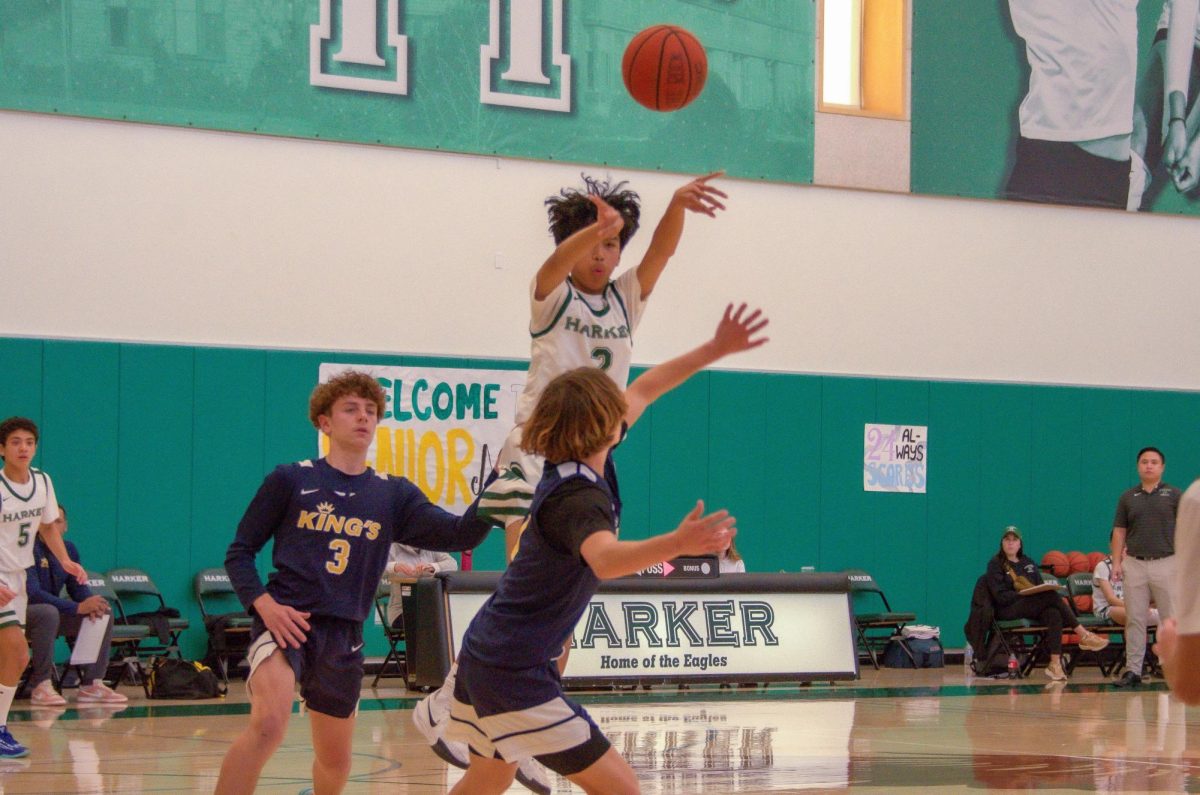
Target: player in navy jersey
(333, 521)
(508, 704)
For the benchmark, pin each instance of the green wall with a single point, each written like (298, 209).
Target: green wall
(156, 450)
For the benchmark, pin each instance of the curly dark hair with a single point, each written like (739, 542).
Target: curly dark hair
(569, 209)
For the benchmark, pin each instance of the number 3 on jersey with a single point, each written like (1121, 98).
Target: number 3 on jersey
(603, 356)
(341, 556)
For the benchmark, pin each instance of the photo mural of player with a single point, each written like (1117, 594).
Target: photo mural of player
(1082, 102)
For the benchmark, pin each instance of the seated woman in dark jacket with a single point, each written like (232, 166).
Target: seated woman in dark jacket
(1008, 573)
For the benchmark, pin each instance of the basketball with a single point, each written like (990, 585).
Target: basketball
(1078, 561)
(1083, 603)
(1057, 562)
(1094, 559)
(664, 67)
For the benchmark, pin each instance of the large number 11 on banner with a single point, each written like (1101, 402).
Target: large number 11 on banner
(371, 52)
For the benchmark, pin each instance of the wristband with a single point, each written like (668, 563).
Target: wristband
(1175, 119)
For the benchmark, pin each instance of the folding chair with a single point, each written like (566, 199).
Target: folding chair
(140, 601)
(396, 656)
(1079, 585)
(126, 638)
(227, 624)
(1025, 637)
(869, 625)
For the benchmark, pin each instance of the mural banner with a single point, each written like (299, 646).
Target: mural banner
(1058, 101)
(519, 78)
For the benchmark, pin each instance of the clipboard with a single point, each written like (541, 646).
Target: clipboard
(87, 642)
(1042, 588)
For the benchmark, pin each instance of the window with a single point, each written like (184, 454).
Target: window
(863, 60)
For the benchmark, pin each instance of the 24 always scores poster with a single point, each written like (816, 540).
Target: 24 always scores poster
(442, 428)
(895, 457)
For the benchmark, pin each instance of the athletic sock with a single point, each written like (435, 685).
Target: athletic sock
(7, 692)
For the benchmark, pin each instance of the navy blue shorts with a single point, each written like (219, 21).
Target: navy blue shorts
(520, 714)
(328, 667)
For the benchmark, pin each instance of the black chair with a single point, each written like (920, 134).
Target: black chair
(1079, 585)
(140, 602)
(1025, 637)
(127, 638)
(395, 663)
(875, 628)
(227, 624)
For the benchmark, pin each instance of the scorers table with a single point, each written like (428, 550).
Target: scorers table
(653, 628)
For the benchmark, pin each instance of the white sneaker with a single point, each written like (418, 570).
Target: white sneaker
(533, 775)
(99, 693)
(44, 695)
(426, 719)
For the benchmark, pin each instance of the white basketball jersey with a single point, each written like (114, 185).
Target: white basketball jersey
(23, 508)
(1082, 67)
(573, 329)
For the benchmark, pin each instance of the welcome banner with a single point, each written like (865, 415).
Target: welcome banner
(442, 428)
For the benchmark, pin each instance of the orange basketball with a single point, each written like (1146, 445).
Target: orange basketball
(1078, 561)
(1083, 603)
(1059, 565)
(664, 67)
(1094, 559)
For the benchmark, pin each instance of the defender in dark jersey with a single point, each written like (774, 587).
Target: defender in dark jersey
(508, 703)
(332, 521)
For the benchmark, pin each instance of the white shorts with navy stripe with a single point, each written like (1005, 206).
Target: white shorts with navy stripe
(13, 613)
(508, 494)
(516, 714)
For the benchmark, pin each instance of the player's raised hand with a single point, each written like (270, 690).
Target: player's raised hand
(287, 625)
(608, 221)
(736, 330)
(700, 197)
(705, 534)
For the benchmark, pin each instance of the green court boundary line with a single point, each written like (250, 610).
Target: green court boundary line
(666, 695)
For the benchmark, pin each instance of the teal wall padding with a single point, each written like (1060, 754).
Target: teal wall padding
(157, 449)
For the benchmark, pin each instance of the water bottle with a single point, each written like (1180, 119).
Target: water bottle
(968, 658)
(1013, 673)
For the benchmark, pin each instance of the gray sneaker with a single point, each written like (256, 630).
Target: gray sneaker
(452, 753)
(533, 775)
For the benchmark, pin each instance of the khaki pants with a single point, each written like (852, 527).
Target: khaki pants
(1143, 579)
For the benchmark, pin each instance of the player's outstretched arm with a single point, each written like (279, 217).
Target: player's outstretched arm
(735, 333)
(697, 534)
(558, 265)
(698, 197)
(424, 525)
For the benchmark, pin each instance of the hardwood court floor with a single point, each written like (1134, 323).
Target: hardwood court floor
(891, 730)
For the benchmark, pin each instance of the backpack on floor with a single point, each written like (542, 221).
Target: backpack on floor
(172, 678)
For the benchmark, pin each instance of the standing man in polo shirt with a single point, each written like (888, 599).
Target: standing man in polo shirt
(1143, 554)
